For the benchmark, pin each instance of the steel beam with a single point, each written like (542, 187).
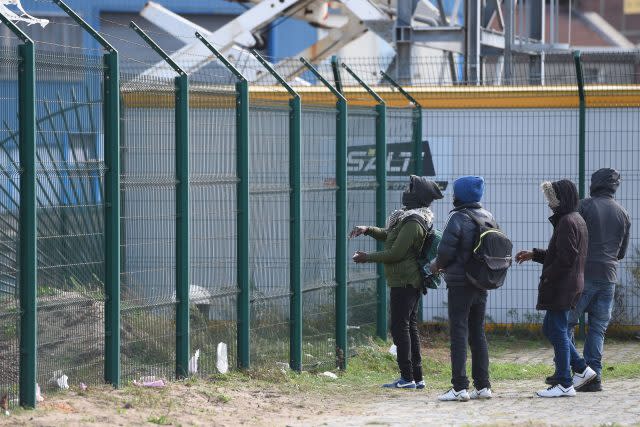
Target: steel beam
(535, 30)
(403, 41)
(472, 42)
(509, 27)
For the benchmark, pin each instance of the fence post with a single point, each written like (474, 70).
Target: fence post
(27, 283)
(416, 137)
(581, 146)
(337, 78)
(242, 224)
(381, 198)
(182, 206)
(295, 220)
(111, 115)
(341, 219)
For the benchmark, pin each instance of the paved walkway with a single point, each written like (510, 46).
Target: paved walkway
(513, 404)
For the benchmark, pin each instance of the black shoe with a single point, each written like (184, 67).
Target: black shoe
(551, 380)
(595, 385)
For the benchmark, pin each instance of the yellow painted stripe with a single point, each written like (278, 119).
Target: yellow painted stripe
(442, 97)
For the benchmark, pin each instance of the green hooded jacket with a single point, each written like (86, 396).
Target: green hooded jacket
(401, 245)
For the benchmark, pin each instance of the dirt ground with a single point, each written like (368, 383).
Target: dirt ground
(218, 402)
(513, 404)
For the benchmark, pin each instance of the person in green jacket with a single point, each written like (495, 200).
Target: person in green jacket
(403, 237)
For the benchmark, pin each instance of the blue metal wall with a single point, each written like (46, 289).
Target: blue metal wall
(281, 42)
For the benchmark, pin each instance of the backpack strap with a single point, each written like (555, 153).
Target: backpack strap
(479, 223)
(429, 234)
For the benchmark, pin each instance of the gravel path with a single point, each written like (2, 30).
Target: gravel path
(513, 404)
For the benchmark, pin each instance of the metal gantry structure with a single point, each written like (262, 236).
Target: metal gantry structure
(485, 27)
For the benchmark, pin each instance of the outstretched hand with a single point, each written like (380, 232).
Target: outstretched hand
(359, 257)
(357, 231)
(523, 256)
(434, 269)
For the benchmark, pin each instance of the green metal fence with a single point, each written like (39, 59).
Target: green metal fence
(318, 233)
(214, 289)
(70, 218)
(148, 185)
(174, 215)
(612, 139)
(9, 231)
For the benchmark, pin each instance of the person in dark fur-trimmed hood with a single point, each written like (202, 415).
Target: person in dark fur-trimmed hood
(562, 280)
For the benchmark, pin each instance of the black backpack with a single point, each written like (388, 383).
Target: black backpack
(491, 256)
(432, 237)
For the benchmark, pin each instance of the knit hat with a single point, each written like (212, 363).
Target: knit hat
(468, 189)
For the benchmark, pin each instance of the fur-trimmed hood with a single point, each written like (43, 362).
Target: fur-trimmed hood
(562, 196)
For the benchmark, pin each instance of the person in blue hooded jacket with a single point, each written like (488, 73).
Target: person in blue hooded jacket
(466, 303)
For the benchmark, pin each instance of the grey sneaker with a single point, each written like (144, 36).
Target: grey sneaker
(452, 396)
(557, 391)
(420, 385)
(484, 393)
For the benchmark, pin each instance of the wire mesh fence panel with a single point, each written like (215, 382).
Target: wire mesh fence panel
(70, 218)
(399, 155)
(361, 210)
(400, 162)
(449, 70)
(213, 291)
(269, 232)
(319, 188)
(148, 226)
(514, 150)
(9, 229)
(612, 140)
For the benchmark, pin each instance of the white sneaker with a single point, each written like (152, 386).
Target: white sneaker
(452, 395)
(580, 380)
(485, 393)
(557, 391)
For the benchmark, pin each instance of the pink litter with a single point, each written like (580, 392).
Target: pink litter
(156, 383)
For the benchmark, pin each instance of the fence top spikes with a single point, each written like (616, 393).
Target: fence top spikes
(153, 45)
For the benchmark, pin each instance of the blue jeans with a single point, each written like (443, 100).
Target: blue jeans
(556, 328)
(597, 302)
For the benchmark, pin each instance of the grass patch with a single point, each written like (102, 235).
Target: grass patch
(223, 398)
(162, 420)
(621, 371)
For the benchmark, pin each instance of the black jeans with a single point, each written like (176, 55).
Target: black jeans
(467, 306)
(404, 330)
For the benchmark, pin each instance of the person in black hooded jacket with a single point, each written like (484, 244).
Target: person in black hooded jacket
(466, 303)
(562, 281)
(608, 224)
(403, 237)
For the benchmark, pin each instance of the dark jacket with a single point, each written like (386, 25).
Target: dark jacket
(562, 279)
(457, 242)
(608, 224)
